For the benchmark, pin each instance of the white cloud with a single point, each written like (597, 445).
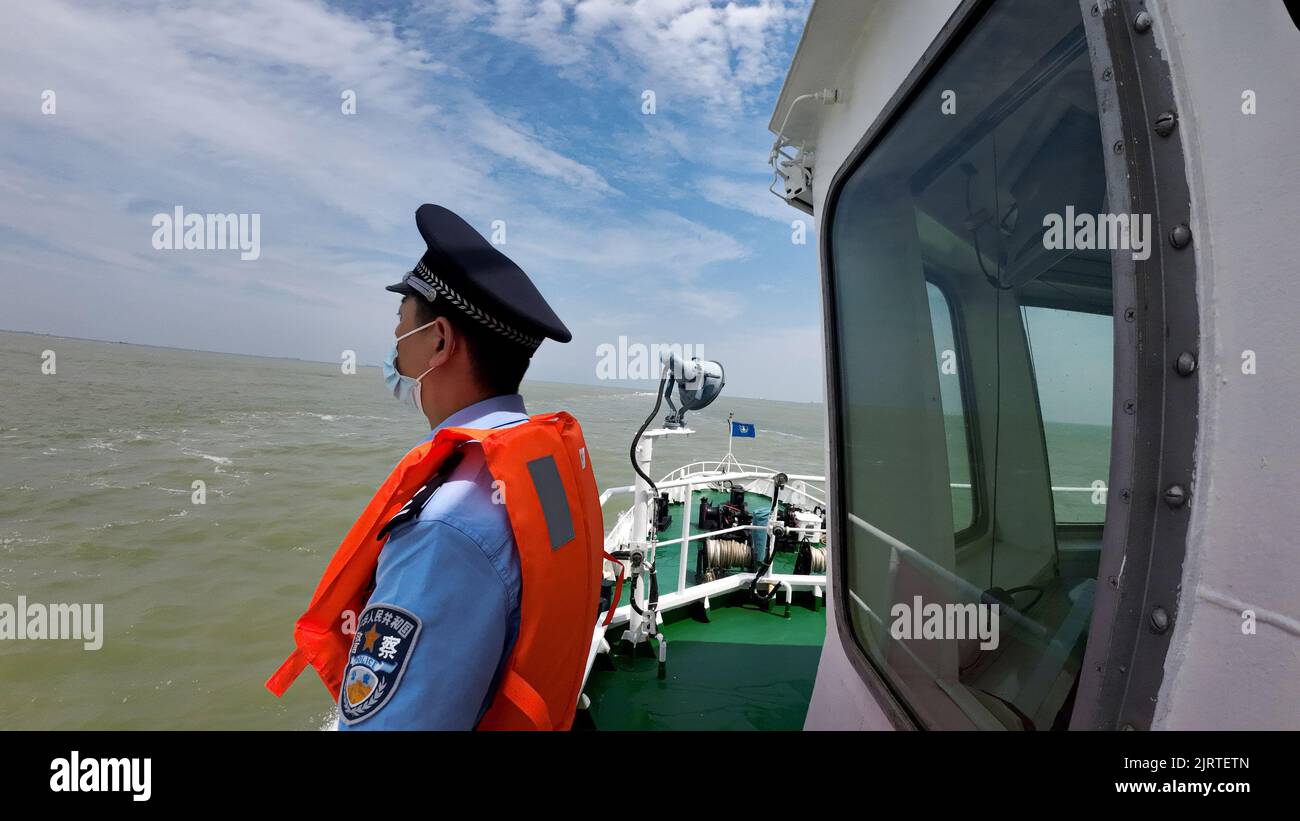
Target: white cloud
(255, 89)
(659, 247)
(750, 195)
(683, 49)
(512, 141)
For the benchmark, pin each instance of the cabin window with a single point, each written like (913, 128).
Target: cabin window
(955, 418)
(974, 602)
(1073, 370)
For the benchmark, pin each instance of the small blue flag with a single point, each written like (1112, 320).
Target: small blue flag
(743, 429)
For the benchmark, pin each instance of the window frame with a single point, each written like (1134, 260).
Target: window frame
(1155, 405)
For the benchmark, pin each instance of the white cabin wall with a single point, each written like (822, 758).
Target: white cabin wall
(1243, 547)
(893, 40)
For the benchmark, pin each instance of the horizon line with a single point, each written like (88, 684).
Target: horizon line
(331, 362)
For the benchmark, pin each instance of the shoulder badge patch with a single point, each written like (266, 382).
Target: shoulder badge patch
(380, 650)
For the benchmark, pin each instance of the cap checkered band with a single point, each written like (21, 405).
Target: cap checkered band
(431, 287)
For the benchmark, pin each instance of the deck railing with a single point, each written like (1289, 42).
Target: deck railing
(687, 478)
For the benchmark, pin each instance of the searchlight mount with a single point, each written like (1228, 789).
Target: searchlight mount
(698, 382)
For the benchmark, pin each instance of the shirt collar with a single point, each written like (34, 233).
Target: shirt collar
(495, 412)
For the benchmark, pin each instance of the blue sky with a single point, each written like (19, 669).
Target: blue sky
(654, 227)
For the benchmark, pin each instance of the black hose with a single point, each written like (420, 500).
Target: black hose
(659, 398)
(654, 591)
(664, 387)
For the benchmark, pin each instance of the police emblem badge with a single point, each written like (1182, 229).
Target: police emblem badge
(380, 649)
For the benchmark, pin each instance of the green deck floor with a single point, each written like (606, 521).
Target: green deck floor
(744, 669)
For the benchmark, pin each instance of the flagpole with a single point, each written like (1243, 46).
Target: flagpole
(730, 438)
(726, 460)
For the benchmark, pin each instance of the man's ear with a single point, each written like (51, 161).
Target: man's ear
(443, 338)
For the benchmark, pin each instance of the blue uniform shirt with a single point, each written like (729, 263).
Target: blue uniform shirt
(455, 570)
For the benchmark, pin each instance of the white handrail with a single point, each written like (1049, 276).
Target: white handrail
(731, 477)
(1055, 489)
(604, 497)
(669, 482)
(712, 533)
(937, 570)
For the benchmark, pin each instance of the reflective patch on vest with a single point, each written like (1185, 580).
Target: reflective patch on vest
(555, 505)
(380, 649)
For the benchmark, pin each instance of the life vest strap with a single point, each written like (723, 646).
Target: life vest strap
(286, 673)
(515, 689)
(416, 503)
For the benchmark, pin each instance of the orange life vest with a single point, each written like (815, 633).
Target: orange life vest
(545, 474)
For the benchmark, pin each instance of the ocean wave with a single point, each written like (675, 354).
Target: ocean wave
(122, 435)
(100, 444)
(781, 433)
(329, 722)
(9, 542)
(105, 484)
(220, 460)
(110, 525)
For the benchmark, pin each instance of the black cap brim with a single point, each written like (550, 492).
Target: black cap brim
(402, 288)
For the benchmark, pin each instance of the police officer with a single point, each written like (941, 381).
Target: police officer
(469, 322)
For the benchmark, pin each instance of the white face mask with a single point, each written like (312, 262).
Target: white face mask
(404, 388)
